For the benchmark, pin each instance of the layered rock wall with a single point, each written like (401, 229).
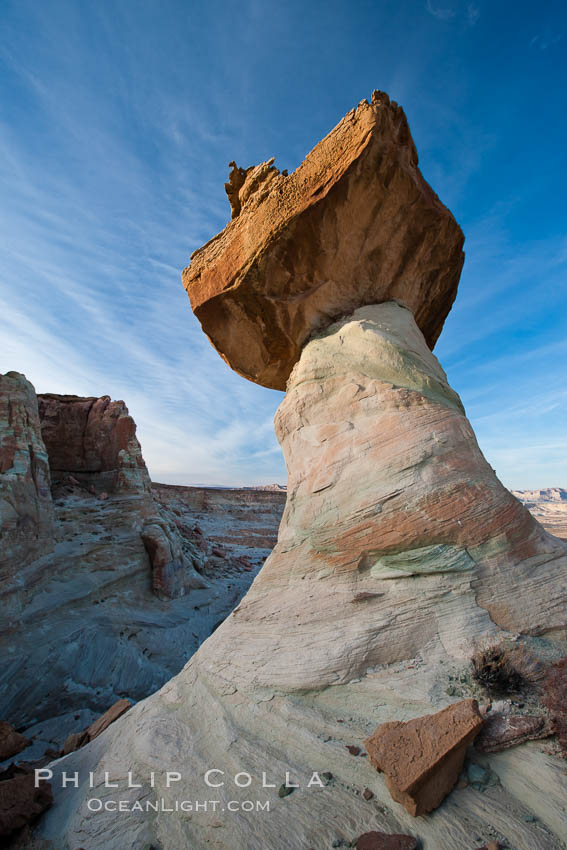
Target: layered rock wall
(26, 509)
(241, 522)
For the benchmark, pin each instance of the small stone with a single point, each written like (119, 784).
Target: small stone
(367, 794)
(327, 777)
(11, 742)
(285, 790)
(504, 730)
(422, 759)
(354, 751)
(383, 841)
(21, 802)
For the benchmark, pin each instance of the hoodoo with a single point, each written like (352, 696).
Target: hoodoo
(398, 549)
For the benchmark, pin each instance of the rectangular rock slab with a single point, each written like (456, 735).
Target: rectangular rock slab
(422, 759)
(114, 712)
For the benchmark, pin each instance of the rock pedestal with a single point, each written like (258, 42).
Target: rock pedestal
(398, 547)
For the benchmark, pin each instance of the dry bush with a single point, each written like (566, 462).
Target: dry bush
(555, 700)
(503, 668)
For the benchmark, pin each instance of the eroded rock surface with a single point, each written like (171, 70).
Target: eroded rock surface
(355, 224)
(422, 759)
(26, 509)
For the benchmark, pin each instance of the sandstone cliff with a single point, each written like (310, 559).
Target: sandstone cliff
(26, 509)
(94, 439)
(398, 551)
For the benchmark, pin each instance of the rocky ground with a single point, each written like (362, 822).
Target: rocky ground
(114, 585)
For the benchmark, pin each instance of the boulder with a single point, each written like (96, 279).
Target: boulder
(422, 759)
(11, 742)
(355, 224)
(79, 739)
(21, 802)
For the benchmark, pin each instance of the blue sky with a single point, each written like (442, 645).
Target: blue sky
(117, 122)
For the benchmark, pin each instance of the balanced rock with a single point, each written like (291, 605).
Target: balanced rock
(26, 508)
(391, 506)
(355, 224)
(422, 758)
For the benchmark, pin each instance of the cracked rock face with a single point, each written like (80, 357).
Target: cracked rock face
(355, 224)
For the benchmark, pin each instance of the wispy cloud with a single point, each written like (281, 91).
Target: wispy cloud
(544, 40)
(442, 13)
(468, 12)
(473, 13)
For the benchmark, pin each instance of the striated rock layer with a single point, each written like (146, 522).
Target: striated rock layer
(355, 224)
(26, 510)
(398, 547)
